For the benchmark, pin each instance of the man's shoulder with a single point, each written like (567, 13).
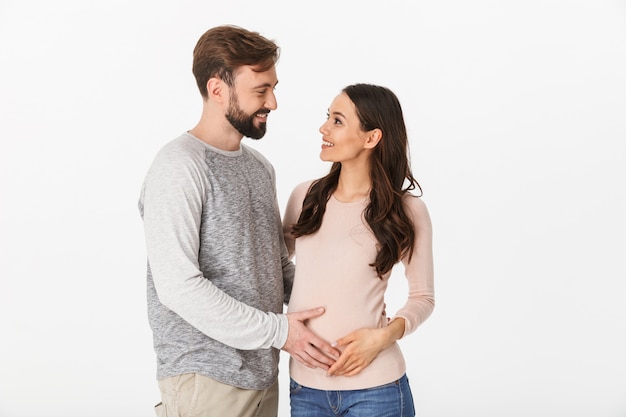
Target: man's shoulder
(256, 154)
(178, 157)
(182, 143)
(183, 147)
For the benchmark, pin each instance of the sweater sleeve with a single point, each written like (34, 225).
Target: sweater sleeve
(419, 270)
(172, 200)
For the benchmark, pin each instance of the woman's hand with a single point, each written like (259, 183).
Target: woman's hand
(361, 347)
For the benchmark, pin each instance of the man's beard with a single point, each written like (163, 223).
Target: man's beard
(244, 123)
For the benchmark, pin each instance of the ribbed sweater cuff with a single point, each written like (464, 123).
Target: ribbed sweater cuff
(281, 332)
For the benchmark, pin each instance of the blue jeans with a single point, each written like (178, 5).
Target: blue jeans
(389, 400)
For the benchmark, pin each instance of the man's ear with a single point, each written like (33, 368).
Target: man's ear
(215, 89)
(373, 138)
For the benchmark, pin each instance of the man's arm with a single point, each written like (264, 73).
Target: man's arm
(172, 201)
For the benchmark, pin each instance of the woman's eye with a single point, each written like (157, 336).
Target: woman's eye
(336, 121)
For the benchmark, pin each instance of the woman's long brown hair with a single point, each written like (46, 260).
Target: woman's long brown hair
(377, 108)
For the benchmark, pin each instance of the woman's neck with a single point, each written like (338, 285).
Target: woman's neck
(353, 184)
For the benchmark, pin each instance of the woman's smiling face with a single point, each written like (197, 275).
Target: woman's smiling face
(343, 138)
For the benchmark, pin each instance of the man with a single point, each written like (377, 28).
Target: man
(218, 269)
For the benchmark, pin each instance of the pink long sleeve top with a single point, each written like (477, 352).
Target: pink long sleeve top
(332, 270)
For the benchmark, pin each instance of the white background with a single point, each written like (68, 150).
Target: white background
(516, 114)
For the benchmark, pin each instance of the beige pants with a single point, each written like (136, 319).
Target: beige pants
(193, 395)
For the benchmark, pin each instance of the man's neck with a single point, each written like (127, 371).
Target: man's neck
(217, 134)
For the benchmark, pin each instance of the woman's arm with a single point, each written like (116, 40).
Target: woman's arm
(362, 346)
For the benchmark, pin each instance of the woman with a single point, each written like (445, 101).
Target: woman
(347, 231)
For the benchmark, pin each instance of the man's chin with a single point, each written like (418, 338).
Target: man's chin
(257, 133)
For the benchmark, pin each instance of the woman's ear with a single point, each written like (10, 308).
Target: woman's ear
(373, 138)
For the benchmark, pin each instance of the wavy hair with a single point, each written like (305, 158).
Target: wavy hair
(377, 108)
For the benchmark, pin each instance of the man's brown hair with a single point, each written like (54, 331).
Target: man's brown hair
(222, 49)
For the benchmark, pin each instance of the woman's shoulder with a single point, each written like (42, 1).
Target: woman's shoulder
(298, 194)
(416, 206)
(302, 188)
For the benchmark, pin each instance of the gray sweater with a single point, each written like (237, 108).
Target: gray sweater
(218, 271)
